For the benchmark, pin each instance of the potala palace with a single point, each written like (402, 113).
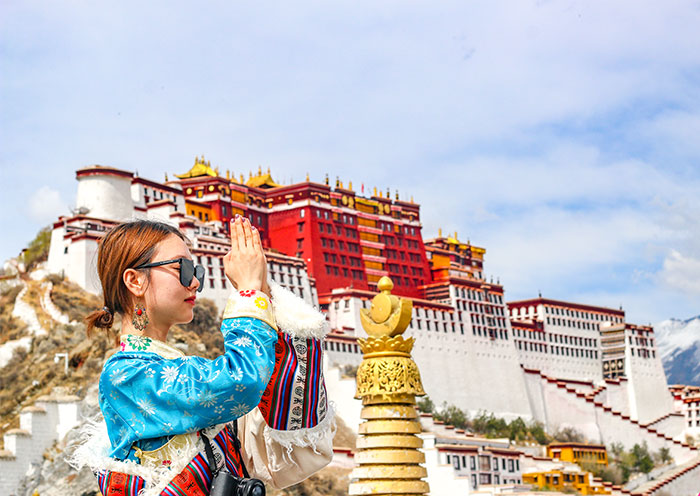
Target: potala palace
(560, 363)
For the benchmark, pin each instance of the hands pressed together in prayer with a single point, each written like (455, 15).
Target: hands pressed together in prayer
(245, 264)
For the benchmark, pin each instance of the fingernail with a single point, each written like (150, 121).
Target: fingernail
(237, 216)
(255, 228)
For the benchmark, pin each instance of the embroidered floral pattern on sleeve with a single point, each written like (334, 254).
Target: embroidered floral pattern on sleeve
(151, 389)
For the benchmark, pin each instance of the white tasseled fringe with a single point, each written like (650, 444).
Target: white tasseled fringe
(296, 317)
(302, 438)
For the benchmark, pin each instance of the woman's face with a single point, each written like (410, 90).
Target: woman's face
(167, 301)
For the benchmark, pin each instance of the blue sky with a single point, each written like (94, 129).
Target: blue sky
(561, 136)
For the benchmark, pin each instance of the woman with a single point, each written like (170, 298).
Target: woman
(169, 417)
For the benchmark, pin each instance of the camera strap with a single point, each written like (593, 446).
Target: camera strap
(210, 453)
(237, 446)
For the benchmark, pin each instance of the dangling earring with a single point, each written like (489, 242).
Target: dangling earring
(139, 319)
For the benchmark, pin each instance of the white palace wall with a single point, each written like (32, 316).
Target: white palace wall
(40, 425)
(647, 385)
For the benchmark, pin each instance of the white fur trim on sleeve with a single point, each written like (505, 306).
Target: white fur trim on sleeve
(311, 437)
(296, 317)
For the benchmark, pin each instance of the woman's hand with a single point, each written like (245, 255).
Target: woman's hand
(245, 264)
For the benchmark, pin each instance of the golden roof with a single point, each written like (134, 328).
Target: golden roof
(262, 180)
(201, 167)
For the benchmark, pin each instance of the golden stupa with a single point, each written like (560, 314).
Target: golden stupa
(388, 381)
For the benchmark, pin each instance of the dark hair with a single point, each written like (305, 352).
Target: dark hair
(126, 246)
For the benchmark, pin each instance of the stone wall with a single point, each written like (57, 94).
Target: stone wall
(41, 425)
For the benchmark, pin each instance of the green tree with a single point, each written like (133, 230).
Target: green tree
(663, 455)
(452, 415)
(641, 458)
(38, 249)
(425, 405)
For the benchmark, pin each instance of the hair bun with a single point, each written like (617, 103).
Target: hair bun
(105, 319)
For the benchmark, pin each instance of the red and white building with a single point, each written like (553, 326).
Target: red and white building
(553, 361)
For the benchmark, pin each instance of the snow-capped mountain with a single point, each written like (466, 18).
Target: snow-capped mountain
(678, 342)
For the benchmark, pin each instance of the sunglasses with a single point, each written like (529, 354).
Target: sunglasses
(188, 270)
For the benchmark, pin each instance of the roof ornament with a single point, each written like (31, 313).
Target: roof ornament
(350, 186)
(397, 194)
(307, 177)
(388, 381)
(326, 178)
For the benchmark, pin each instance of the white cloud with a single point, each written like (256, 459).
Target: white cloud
(45, 205)
(552, 133)
(682, 272)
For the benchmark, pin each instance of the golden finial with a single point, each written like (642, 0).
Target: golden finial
(326, 179)
(268, 170)
(456, 238)
(166, 177)
(242, 178)
(217, 171)
(439, 232)
(388, 380)
(228, 174)
(307, 177)
(341, 185)
(259, 170)
(337, 181)
(388, 315)
(411, 198)
(388, 193)
(375, 191)
(350, 186)
(397, 194)
(250, 174)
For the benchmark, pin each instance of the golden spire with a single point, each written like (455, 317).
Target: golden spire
(166, 177)
(439, 232)
(228, 174)
(326, 179)
(242, 178)
(375, 191)
(397, 194)
(307, 177)
(388, 457)
(350, 186)
(388, 193)
(259, 170)
(411, 198)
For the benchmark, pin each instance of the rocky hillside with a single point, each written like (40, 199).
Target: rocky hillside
(679, 346)
(42, 318)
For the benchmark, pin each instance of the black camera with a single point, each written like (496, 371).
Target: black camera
(227, 484)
